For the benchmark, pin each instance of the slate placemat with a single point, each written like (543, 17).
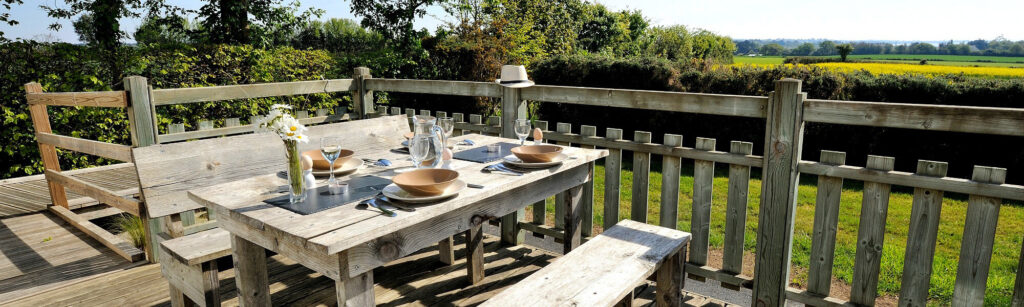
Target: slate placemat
(480, 154)
(320, 199)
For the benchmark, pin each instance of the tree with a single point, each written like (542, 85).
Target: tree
(271, 23)
(844, 50)
(826, 48)
(803, 49)
(393, 19)
(5, 17)
(747, 46)
(772, 49)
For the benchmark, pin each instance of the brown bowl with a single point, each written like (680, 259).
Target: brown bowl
(536, 153)
(319, 163)
(426, 182)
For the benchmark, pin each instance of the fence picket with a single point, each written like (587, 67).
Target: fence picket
(459, 118)
(670, 170)
(924, 228)
(736, 212)
(612, 179)
(587, 205)
(641, 178)
(700, 219)
(979, 235)
(563, 128)
(540, 207)
(175, 128)
(826, 220)
(871, 235)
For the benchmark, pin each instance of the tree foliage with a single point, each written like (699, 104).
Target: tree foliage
(844, 50)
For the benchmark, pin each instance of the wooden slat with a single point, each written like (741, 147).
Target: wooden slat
(700, 219)
(590, 276)
(229, 130)
(564, 128)
(948, 184)
(111, 99)
(587, 209)
(41, 123)
(733, 105)
(250, 272)
(475, 253)
(103, 149)
(458, 88)
(782, 144)
(540, 207)
(247, 91)
(670, 171)
(96, 192)
(719, 275)
(573, 201)
(612, 179)
(811, 299)
(870, 235)
(641, 178)
(736, 210)
(826, 221)
(1018, 285)
(200, 247)
(115, 243)
(978, 239)
(921, 238)
(985, 120)
(659, 149)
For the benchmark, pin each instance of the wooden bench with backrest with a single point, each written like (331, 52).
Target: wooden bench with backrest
(605, 270)
(167, 171)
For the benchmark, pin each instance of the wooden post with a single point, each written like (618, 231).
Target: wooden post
(784, 129)
(921, 237)
(512, 108)
(700, 213)
(670, 280)
(572, 234)
(871, 235)
(41, 122)
(826, 221)
(352, 291)
(979, 237)
(612, 177)
(511, 234)
(475, 251)
(251, 272)
(670, 170)
(362, 99)
(736, 212)
(142, 125)
(565, 129)
(587, 210)
(641, 178)
(1018, 285)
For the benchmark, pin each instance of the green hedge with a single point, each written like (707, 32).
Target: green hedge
(70, 68)
(961, 150)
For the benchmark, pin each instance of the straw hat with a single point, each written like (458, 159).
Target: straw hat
(514, 76)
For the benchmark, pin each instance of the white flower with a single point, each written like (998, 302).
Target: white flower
(280, 106)
(286, 126)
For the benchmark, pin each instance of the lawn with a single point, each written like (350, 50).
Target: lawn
(1004, 260)
(757, 60)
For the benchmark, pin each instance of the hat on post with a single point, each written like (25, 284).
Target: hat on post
(514, 76)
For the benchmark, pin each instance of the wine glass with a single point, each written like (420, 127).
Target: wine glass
(330, 148)
(522, 130)
(419, 149)
(447, 126)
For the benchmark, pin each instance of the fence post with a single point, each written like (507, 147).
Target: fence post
(512, 107)
(41, 123)
(142, 125)
(362, 99)
(782, 146)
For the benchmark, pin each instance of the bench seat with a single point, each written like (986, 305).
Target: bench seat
(605, 270)
(190, 265)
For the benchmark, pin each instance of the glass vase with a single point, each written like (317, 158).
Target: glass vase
(296, 186)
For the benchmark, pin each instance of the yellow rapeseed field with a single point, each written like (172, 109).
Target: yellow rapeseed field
(896, 68)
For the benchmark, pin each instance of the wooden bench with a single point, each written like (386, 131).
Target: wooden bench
(605, 270)
(167, 171)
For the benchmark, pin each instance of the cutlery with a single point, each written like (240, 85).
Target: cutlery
(372, 203)
(466, 142)
(388, 202)
(378, 162)
(475, 186)
(500, 168)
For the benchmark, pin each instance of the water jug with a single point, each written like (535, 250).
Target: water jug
(427, 138)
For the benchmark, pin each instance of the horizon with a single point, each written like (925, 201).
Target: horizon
(755, 22)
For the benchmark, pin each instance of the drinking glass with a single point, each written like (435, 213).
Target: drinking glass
(419, 149)
(522, 130)
(330, 148)
(447, 126)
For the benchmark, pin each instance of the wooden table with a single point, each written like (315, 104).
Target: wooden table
(347, 242)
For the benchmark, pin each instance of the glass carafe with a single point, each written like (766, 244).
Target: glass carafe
(426, 132)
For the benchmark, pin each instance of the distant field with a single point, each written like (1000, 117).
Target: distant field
(899, 69)
(937, 60)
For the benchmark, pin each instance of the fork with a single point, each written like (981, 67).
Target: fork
(501, 168)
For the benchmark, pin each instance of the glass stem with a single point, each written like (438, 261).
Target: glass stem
(331, 180)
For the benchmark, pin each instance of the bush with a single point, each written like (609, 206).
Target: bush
(961, 150)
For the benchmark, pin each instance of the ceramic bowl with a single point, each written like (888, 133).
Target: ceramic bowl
(426, 182)
(536, 153)
(319, 163)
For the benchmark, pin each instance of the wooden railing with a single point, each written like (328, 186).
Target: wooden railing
(785, 111)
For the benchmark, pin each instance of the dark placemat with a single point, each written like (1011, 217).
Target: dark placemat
(480, 154)
(320, 199)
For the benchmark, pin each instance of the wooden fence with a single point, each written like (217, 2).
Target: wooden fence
(785, 111)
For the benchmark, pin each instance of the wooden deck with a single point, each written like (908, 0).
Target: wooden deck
(30, 194)
(71, 269)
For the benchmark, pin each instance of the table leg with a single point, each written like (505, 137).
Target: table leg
(355, 291)
(250, 272)
(475, 253)
(573, 218)
(446, 251)
(670, 280)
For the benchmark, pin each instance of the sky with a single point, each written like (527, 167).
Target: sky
(896, 20)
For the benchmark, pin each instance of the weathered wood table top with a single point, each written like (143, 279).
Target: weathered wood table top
(361, 238)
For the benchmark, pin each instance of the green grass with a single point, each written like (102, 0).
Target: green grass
(939, 60)
(760, 60)
(1004, 260)
(132, 226)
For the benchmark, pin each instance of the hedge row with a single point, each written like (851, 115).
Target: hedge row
(961, 150)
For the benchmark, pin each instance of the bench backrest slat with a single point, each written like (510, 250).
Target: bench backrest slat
(167, 171)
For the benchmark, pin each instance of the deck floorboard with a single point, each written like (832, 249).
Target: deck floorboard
(30, 194)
